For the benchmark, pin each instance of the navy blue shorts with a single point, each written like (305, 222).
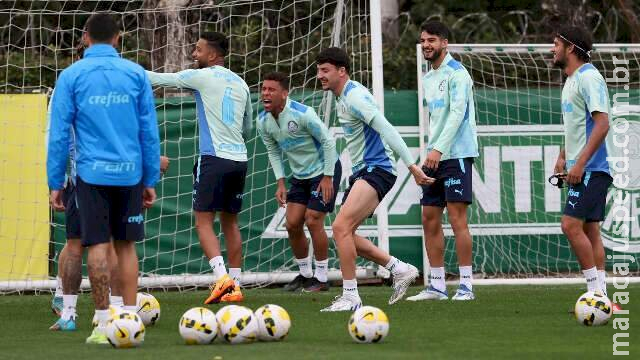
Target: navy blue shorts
(303, 191)
(453, 183)
(109, 211)
(587, 200)
(218, 184)
(71, 215)
(381, 180)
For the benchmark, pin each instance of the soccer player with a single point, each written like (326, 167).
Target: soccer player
(453, 144)
(109, 104)
(583, 160)
(370, 139)
(289, 127)
(223, 105)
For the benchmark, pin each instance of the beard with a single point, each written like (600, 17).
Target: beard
(436, 54)
(560, 63)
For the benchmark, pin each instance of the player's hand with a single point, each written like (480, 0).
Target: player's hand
(55, 198)
(419, 176)
(281, 193)
(433, 159)
(148, 197)
(326, 188)
(574, 176)
(560, 165)
(164, 164)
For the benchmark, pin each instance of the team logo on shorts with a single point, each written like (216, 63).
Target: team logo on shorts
(292, 126)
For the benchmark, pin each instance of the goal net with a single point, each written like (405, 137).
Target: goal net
(515, 215)
(38, 41)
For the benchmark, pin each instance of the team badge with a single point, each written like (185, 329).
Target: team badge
(292, 126)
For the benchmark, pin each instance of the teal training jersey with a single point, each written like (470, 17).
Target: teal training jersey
(356, 109)
(584, 92)
(448, 91)
(223, 105)
(299, 133)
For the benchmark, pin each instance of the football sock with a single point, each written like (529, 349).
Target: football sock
(321, 269)
(396, 266)
(217, 265)
(350, 288)
(437, 279)
(235, 275)
(592, 279)
(69, 306)
(304, 265)
(602, 279)
(466, 276)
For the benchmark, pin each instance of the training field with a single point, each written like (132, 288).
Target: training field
(505, 322)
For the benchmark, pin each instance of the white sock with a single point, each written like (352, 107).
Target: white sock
(58, 287)
(396, 266)
(602, 279)
(217, 265)
(116, 301)
(69, 306)
(103, 317)
(235, 275)
(466, 276)
(350, 288)
(322, 266)
(130, 308)
(304, 265)
(436, 279)
(592, 279)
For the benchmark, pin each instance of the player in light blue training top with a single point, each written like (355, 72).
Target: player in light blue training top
(451, 149)
(370, 142)
(223, 105)
(289, 127)
(583, 160)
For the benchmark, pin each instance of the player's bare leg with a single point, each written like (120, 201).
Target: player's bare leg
(573, 229)
(127, 271)
(457, 212)
(299, 245)
(314, 220)
(70, 273)
(211, 247)
(233, 240)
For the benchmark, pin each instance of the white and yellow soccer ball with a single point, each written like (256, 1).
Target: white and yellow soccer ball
(113, 311)
(593, 309)
(368, 324)
(273, 322)
(198, 326)
(148, 308)
(237, 324)
(125, 330)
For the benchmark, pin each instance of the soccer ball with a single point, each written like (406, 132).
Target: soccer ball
(368, 325)
(148, 308)
(237, 324)
(198, 326)
(113, 311)
(125, 330)
(273, 322)
(593, 309)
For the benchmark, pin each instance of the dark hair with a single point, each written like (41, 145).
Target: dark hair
(334, 56)
(102, 27)
(218, 41)
(281, 78)
(580, 38)
(436, 28)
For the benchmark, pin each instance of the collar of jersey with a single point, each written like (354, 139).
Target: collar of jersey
(445, 62)
(286, 108)
(100, 50)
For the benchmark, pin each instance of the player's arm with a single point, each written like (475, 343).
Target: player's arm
(186, 79)
(459, 85)
(319, 131)
(62, 114)
(594, 91)
(275, 159)
(369, 113)
(560, 163)
(247, 122)
(150, 142)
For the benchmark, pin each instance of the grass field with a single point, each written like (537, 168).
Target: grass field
(505, 322)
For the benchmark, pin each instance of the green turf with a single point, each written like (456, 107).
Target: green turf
(506, 322)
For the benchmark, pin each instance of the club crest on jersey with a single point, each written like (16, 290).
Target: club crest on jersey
(443, 83)
(292, 126)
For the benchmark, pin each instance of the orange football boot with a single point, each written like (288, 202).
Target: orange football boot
(224, 285)
(233, 296)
